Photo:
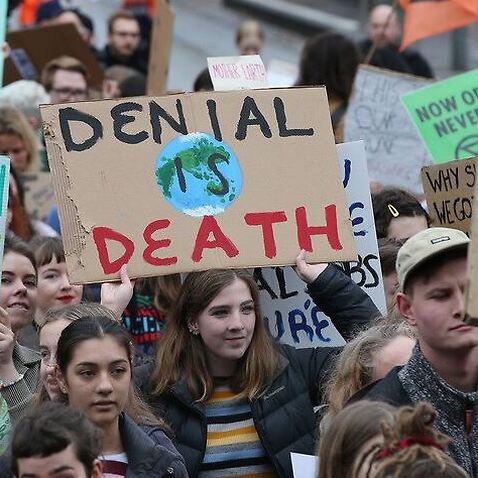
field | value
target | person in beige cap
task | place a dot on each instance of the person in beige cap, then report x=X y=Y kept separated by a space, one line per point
x=443 y=369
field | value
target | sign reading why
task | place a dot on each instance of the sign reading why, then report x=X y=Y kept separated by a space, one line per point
x=446 y=115
x=449 y=189
x=395 y=151
x=237 y=72
x=291 y=317
x=195 y=181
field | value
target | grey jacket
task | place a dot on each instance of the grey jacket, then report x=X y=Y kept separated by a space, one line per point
x=457 y=411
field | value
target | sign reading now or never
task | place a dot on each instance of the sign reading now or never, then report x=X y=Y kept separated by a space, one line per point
x=449 y=190
x=196 y=181
x=237 y=72
x=446 y=115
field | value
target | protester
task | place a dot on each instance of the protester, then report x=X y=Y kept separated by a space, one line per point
x=353 y=433
x=332 y=60
x=398 y=214
x=65 y=79
x=18 y=140
x=123 y=46
x=443 y=369
x=114 y=76
x=54 y=290
x=384 y=31
x=250 y=38
x=149 y=310
x=203 y=81
x=412 y=447
x=56 y=440
x=94 y=358
x=388 y=250
x=220 y=380
x=366 y=359
x=19 y=366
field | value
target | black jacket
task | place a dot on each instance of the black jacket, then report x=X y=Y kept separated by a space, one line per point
x=150 y=452
x=284 y=414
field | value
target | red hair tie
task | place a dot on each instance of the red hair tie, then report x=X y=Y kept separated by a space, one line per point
x=407 y=442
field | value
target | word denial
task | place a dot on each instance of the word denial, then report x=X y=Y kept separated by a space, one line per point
x=211 y=236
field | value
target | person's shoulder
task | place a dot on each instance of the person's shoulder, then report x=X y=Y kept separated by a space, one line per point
x=389 y=389
x=25 y=355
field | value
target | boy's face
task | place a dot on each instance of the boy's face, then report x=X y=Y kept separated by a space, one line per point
x=436 y=305
x=64 y=464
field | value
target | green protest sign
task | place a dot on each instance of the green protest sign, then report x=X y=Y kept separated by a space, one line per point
x=446 y=115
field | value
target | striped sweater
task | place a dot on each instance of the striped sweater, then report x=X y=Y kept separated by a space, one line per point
x=233 y=446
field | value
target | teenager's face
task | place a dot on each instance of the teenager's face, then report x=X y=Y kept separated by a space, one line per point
x=14 y=147
x=64 y=464
x=404 y=227
x=19 y=289
x=98 y=379
x=226 y=326
x=49 y=336
x=436 y=307
x=54 y=288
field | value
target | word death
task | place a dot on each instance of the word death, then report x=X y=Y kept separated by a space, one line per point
x=210 y=236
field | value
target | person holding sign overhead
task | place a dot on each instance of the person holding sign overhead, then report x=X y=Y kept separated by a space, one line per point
x=237 y=402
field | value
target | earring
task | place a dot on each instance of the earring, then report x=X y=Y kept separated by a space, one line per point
x=63 y=389
x=193 y=330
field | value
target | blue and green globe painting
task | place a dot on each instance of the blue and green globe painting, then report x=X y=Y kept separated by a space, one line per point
x=198 y=175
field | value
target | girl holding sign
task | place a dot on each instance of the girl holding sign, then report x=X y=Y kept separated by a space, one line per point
x=94 y=359
x=238 y=403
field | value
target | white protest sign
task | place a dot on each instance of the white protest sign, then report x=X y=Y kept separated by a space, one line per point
x=304 y=466
x=290 y=315
x=376 y=114
x=281 y=74
x=237 y=72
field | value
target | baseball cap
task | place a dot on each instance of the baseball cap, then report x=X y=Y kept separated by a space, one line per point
x=424 y=245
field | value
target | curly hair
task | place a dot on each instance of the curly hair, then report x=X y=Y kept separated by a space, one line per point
x=414 y=448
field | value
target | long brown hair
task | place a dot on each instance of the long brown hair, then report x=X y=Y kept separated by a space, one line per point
x=181 y=355
x=349 y=431
x=425 y=457
x=97 y=327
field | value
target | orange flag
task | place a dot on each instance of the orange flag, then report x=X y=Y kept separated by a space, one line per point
x=425 y=18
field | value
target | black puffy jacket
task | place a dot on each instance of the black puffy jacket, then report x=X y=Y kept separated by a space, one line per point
x=284 y=414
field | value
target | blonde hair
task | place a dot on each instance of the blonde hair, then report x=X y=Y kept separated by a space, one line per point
x=181 y=355
x=423 y=454
x=14 y=122
x=355 y=365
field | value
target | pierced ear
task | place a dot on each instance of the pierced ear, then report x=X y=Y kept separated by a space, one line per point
x=193 y=327
x=404 y=306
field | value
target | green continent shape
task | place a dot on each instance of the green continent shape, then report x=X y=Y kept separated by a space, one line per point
x=164 y=176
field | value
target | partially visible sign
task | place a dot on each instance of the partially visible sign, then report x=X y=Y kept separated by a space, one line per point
x=281 y=74
x=42 y=44
x=449 y=190
x=237 y=72
x=3 y=30
x=39 y=194
x=4 y=183
x=160 y=48
x=291 y=317
x=446 y=116
x=395 y=151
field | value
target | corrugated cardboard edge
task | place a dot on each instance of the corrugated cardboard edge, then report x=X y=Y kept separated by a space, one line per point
x=471 y=290
x=73 y=233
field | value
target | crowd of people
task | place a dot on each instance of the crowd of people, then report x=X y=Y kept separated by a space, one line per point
x=178 y=376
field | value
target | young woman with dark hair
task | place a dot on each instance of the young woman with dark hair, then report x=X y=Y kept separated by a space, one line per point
x=94 y=359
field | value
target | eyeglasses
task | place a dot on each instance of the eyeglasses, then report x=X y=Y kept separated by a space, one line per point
x=78 y=93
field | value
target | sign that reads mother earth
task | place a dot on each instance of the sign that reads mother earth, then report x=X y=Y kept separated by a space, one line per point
x=446 y=115
x=197 y=181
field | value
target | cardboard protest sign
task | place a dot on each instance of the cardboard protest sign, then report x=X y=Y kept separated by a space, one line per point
x=471 y=293
x=446 y=115
x=237 y=72
x=160 y=49
x=395 y=151
x=290 y=315
x=195 y=181
x=39 y=194
x=4 y=183
x=37 y=46
x=449 y=190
